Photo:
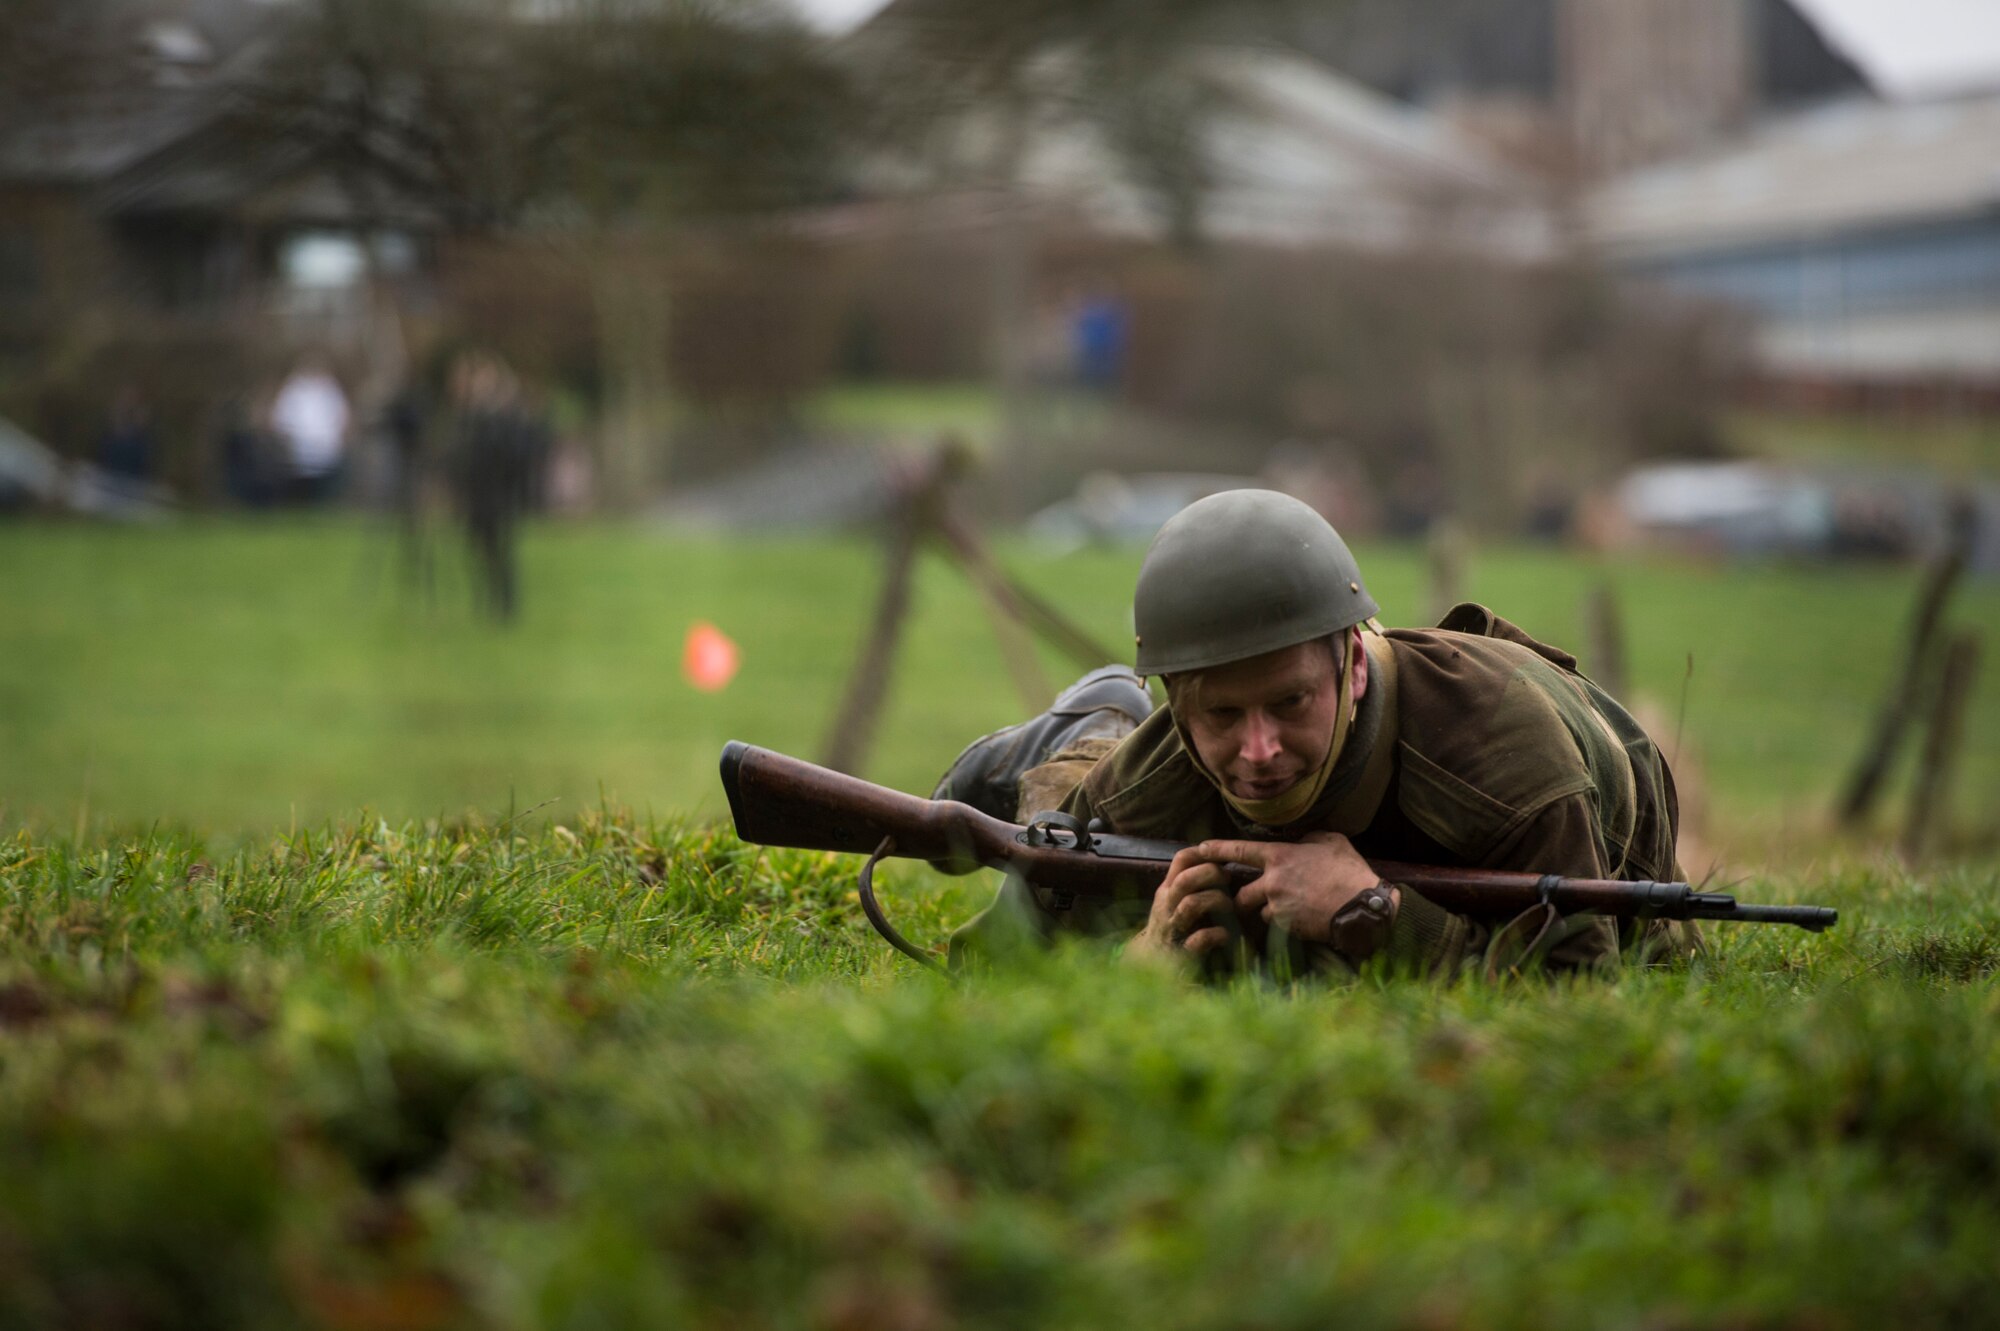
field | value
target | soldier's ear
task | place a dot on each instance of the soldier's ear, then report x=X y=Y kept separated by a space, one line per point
x=1360 y=663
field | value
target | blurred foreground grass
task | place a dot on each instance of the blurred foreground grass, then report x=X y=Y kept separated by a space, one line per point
x=473 y=1076
x=239 y=676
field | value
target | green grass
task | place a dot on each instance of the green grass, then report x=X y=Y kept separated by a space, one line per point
x=299 y=1028
x=927 y=410
x=1964 y=448
x=235 y=677
x=1960 y=446
x=619 y=1074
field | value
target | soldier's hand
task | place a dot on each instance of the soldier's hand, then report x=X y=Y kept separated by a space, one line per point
x=1303 y=884
x=1192 y=912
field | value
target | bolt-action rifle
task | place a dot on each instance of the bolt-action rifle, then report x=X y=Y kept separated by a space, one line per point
x=781 y=801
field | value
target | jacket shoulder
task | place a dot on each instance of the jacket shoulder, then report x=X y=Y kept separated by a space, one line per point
x=1149 y=787
x=1475 y=620
x=1487 y=735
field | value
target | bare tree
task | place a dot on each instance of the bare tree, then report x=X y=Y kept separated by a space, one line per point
x=596 y=126
x=53 y=53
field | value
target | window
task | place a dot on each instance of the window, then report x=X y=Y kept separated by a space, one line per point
x=322 y=261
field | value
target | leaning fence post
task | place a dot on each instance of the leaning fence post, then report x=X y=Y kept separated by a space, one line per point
x=861 y=704
x=962 y=538
x=1899 y=708
x=1930 y=800
x=924 y=509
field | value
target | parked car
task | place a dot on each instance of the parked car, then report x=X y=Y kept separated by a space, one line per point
x=33 y=476
x=30 y=471
x=1740 y=508
x=1109 y=509
x=1763 y=509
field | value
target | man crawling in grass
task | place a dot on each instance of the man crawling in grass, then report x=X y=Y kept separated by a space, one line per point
x=1302 y=739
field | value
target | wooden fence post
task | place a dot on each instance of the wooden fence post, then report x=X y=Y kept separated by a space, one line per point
x=1020 y=604
x=1905 y=696
x=1450 y=549
x=926 y=509
x=1604 y=639
x=915 y=515
x=1930 y=799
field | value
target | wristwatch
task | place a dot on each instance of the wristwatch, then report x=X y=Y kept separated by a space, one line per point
x=1360 y=929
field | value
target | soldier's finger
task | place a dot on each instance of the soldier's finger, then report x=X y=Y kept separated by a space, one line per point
x=1206 y=941
x=1176 y=884
x=1254 y=895
x=1200 y=906
x=1194 y=880
x=1256 y=854
x=1205 y=876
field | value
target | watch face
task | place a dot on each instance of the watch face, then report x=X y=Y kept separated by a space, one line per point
x=1361 y=927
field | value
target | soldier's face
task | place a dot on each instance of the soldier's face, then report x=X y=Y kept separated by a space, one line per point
x=1262 y=724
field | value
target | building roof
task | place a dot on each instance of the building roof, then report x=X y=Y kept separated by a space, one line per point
x=1306 y=156
x=154 y=73
x=1849 y=166
x=1806 y=48
x=154 y=121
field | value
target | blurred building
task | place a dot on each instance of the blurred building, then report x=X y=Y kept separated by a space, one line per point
x=1582 y=86
x=1864 y=235
x=1729 y=151
x=1405 y=123
x=1300 y=155
x=139 y=181
x=166 y=230
x=1726 y=150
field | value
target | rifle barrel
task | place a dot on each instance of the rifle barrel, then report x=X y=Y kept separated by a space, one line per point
x=1814 y=918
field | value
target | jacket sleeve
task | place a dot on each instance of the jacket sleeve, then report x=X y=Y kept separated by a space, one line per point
x=1562 y=838
x=1059 y=782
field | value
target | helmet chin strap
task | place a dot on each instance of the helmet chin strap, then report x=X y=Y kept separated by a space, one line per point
x=1293 y=804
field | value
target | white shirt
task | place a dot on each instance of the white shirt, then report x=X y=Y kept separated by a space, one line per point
x=311 y=413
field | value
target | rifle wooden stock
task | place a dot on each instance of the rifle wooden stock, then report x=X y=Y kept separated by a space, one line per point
x=782 y=801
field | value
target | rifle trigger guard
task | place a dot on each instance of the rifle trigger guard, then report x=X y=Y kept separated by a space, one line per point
x=873 y=910
x=1058 y=830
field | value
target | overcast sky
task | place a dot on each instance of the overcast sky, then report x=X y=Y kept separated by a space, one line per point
x=1910 y=47
x=1917 y=46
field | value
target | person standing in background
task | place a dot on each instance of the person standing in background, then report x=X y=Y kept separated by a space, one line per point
x=310 y=416
x=128 y=449
x=498 y=447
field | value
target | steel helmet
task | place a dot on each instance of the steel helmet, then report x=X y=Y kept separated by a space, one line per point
x=1239 y=574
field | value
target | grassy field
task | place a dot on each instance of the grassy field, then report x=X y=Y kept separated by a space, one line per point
x=615 y=1074
x=1963 y=447
x=299 y=1027
x=238 y=677
x=1966 y=448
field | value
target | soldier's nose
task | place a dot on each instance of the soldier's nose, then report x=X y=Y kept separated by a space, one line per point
x=1260 y=742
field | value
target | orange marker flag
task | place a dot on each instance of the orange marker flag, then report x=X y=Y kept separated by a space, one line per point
x=709 y=659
